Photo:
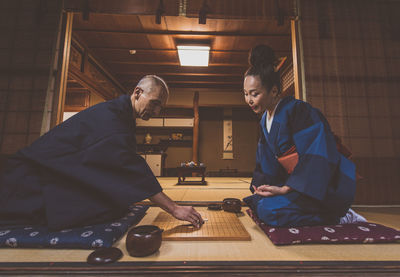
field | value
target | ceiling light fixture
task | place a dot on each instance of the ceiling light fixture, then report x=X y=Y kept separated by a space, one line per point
x=193 y=55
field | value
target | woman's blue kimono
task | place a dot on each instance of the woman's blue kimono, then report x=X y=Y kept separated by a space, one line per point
x=83 y=171
x=323 y=181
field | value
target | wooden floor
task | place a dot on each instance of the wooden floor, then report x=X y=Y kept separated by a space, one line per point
x=259 y=253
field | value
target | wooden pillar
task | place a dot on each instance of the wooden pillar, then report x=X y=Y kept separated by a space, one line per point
x=64 y=68
x=195 y=156
x=297 y=52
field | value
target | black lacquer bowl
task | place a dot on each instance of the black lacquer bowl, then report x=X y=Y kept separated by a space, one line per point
x=143 y=240
x=232 y=205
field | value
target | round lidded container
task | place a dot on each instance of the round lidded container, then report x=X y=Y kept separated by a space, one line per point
x=143 y=240
x=232 y=205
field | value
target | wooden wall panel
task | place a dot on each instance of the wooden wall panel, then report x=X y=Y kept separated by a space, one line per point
x=350 y=57
x=28 y=35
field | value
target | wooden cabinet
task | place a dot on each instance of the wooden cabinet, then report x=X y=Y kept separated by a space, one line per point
x=163 y=132
x=178 y=122
x=155 y=162
x=152 y=122
x=165 y=122
x=172 y=140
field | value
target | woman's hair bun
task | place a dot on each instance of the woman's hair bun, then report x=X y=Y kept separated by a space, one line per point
x=261 y=56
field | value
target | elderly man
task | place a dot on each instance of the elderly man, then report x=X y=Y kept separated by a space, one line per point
x=86 y=170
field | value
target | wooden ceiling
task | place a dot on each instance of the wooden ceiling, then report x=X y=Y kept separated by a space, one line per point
x=111 y=28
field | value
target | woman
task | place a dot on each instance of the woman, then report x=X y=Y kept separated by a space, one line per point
x=321 y=187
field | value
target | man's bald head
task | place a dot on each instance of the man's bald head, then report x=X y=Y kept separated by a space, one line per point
x=151 y=83
x=149 y=96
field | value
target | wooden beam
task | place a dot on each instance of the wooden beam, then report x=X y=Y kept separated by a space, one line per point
x=193 y=83
x=155 y=63
x=206 y=82
x=219 y=86
x=128 y=69
x=189 y=33
x=133 y=7
x=77 y=89
x=123 y=51
x=220 y=9
x=88 y=83
x=71 y=80
x=193 y=79
x=156 y=50
x=87 y=53
x=126 y=75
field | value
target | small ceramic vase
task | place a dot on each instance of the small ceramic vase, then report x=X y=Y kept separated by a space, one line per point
x=147 y=138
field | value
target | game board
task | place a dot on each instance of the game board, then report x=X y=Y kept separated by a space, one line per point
x=220 y=225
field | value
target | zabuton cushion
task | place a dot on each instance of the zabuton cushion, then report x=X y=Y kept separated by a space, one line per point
x=100 y=235
x=360 y=232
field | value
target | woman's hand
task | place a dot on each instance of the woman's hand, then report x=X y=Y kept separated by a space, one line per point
x=189 y=214
x=267 y=190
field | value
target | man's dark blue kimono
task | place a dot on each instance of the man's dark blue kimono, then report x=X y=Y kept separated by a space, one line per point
x=85 y=170
x=323 y=181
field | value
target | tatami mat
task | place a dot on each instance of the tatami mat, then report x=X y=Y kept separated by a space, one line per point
x=212 y=182
x=206 y=195
x=214 y=195
x=217 y=189
x=259 y=248
x=175 y=195
x=389 y=215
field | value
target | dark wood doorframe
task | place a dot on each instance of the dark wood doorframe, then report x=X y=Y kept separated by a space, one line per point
x=64 y=67
x=297 y=53
x=55 y=96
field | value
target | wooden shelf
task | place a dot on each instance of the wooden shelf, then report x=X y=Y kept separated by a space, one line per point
x=182 y=143
x=163 y=145
x=166 y=122
x=151 y=148
x=164 y=130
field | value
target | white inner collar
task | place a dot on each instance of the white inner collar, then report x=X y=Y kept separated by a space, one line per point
x=270 y=117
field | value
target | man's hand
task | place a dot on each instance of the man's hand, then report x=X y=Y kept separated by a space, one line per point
x=180 y=212
x=189 y=214
x=267 y=190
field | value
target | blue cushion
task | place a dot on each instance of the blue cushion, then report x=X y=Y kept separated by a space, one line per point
x=99 y=235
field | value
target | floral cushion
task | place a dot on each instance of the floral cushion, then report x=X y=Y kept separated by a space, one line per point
x=360 y=232
x=99 y=235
